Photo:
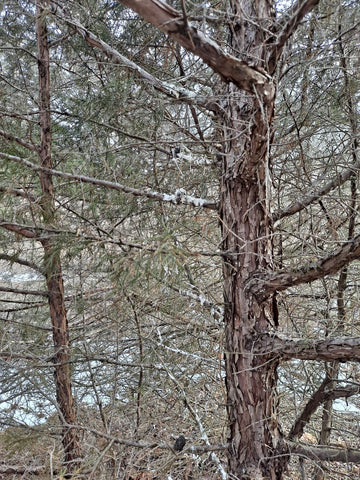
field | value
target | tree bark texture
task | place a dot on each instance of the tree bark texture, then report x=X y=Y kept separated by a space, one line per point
x=52 y=262
x=256 y=448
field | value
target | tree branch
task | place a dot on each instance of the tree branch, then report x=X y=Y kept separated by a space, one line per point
x=172 y=23
x=160 y=445
x=289 y=25
x=21 y=142
x=23 y=230
x=322 y=452
x=171 y=90
x=313 y=403
x=264 y=284
x=335 y=182
x=22 y=470
x=20 y=261
x=24 y=292
x=341 y=348
x=217 y=312
x=198 y=421
x=179 y=197
x=317 y=398
x=17 y=193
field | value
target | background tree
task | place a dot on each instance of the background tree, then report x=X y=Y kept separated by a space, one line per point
x=157 y=140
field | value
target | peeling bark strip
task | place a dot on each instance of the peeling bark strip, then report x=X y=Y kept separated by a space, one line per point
x=52 y=264
x=171 y=22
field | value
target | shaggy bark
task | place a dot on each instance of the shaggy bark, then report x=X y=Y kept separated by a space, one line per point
x=256 y=447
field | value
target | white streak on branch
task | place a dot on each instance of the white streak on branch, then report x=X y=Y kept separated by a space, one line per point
x=176 y=199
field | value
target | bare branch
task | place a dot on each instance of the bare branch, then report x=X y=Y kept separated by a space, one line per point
x=170 y=89
x=322 y=452
x=20 y=261
x=172 y=23
x=198 y=421
x=217 y=311
x=179 y=197
x=341 y=348
x=289 y=25
x=7 y=356
x=341 y=392
x=21 y=469
x=21 y=142
x=335 y=182
x=160 y=445
x=313 y=403
x=17 y=193
x=23 y=230
x=264 y=284
x=319 y=397
x=24 y=292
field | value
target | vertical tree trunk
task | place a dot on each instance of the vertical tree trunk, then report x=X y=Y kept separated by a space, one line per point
x=334 y=368
x=256 y=447
x=52 y=262
x=332 y=371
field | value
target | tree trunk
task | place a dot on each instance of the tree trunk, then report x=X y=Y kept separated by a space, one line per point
x=256 y=446
x=52 y=262
x=61 y=358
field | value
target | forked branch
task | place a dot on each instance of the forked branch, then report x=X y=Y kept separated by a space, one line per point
x=320 y=396
x=172 y=23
